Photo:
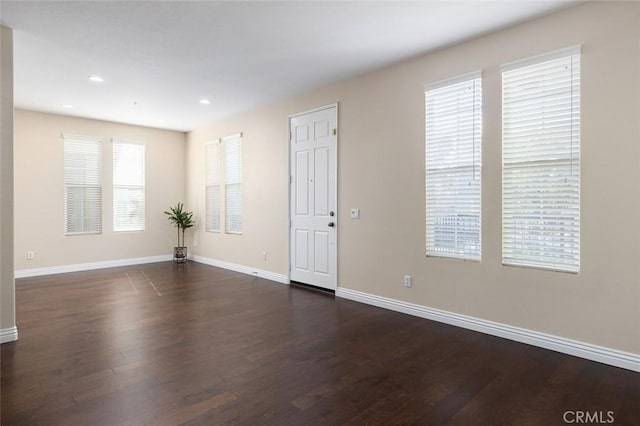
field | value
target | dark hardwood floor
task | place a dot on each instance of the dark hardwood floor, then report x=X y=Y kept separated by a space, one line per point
x=171 y=344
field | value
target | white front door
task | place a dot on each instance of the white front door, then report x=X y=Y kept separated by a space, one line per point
x=313 y=233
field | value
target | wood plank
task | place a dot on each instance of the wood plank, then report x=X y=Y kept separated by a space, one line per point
x=209 y=346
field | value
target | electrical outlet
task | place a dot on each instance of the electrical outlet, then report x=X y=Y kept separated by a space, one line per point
x=355 y=213
x=408 y=281
x=264 y=256
x=30 y=255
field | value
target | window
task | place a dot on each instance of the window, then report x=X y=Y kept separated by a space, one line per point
x=128 y=186
x=453 y=139
x=82 y=185
x=233 y=184
x=541 y=162
x=212 y=187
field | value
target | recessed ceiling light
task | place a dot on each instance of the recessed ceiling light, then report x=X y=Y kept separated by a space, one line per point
x=96 y=79
x=205 y=101
x=67 y=106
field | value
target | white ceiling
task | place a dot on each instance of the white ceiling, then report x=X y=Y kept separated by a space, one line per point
x=159 y=59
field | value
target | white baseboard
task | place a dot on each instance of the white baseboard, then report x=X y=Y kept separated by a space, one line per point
x=8 y=335
x=601 y=354
x=281 y=278
x=25 y=273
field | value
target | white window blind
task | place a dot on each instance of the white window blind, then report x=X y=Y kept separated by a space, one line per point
x=453 y=139
x=212 y=187
x=233 y=184
x=541 y=162
x=82 y=185
x=128 y=186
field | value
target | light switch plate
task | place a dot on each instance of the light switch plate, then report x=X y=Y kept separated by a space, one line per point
x=355 y=213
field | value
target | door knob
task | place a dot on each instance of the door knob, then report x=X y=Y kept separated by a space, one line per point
x=332 y=224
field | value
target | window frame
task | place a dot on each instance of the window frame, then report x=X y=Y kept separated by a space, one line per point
x=142 y=186
x=549 y=244
x=67 y=139
x=227 y=141
x=463 y=247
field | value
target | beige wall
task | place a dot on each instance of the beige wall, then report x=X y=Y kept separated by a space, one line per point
x=381 y=171
x=264 y=195
x=39 y=197
x=7 y=288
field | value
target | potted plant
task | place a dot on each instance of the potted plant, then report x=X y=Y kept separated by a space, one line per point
x=182 y=220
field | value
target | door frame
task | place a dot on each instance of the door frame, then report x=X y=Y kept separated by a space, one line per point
x=290 y=177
